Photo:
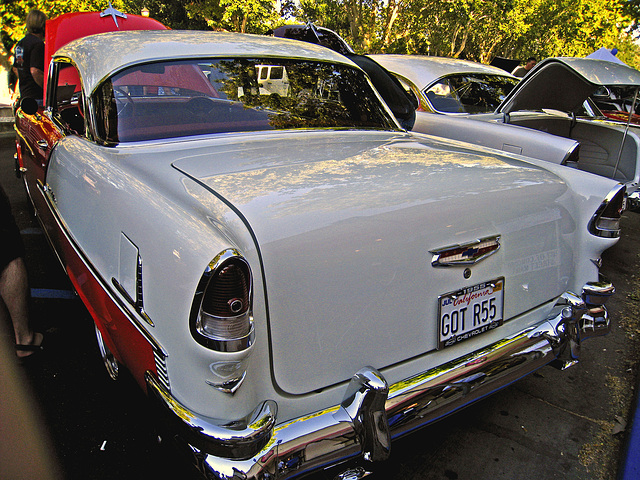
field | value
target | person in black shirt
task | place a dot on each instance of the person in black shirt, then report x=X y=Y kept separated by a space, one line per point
x=28 y=61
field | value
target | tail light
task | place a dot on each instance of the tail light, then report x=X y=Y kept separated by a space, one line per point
x=606 y=221
x=221 y=314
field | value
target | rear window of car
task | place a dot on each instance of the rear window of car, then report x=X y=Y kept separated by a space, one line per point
x=196 y=97
x=469 y=93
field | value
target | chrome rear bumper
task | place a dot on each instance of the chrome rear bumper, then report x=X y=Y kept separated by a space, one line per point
x=372 y=412
x=633 y=201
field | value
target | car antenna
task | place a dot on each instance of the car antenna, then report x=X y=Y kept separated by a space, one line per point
x=626 y=130
x=114 y=14
x=312 y=27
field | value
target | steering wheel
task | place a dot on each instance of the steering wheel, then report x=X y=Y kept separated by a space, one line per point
x=124 y=101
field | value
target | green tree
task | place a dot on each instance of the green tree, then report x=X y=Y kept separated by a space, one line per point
x=14 y=13
x=244 y=16
x=172 y=13
x=473 y=29
x=631 y=8
x=357 y=21
x=477 y=29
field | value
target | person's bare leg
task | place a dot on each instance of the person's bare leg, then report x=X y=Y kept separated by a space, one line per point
x=14 y=289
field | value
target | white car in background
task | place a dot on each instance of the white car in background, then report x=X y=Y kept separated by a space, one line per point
x=551 y=99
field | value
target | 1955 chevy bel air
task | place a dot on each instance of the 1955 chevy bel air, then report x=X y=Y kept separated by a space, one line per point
x=293 y=279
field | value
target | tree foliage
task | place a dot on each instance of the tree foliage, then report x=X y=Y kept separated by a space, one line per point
x=14 y=13
x=473 y=29
x=245 y=16
x=476 y=29
x=172 y=13
x=632 y=9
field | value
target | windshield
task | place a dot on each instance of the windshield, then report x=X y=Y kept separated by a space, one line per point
x=196 y=97
x=469 y=92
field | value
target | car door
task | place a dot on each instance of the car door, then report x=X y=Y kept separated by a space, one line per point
x=36 y=137
x=39 y=132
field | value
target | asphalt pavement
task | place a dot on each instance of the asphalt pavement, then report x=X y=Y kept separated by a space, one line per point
x=572 y=424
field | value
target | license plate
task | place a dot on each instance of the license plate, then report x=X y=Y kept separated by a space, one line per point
x=469 y=312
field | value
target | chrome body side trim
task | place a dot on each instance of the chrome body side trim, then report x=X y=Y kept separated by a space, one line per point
x=109 y=360
x=572 y=156
x=371 y=413
x=161 y=367
x=230 y=386
x=135 y=304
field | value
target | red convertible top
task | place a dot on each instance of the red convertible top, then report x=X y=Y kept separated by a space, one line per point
x=70 y=26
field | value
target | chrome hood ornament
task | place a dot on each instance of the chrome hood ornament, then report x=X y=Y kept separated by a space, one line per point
x=110 y=11
x=465 y=254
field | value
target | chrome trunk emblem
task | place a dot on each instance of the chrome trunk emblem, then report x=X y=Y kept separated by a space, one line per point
x=465 y=254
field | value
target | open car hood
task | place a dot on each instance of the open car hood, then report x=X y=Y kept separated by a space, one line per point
x=565 y=83
x=71 y=26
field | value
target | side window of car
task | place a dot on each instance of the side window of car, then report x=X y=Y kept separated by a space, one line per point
x=68 y=108
x=443 y=98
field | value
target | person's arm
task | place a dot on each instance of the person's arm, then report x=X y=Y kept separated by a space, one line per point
x=36 y=67
x=38 y=75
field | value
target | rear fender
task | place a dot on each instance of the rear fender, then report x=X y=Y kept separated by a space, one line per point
x=499 y=136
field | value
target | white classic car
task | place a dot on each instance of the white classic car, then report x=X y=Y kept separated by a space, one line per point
x=552 y=98
x=293 y=279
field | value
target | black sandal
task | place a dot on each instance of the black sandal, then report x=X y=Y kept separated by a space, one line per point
x=29 y=348
x=35 y=349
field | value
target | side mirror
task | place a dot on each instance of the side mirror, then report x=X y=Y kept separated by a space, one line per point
x=29 y=105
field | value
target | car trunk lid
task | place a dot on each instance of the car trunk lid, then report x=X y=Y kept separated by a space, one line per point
x=346 y=225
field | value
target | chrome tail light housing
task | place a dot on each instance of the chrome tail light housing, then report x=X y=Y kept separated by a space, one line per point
x=221 y=315
x=606 y=221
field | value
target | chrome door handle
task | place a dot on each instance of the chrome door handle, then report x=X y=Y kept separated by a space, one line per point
x=42 y=144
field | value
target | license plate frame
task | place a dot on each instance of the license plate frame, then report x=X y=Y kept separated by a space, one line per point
x=470 y=311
